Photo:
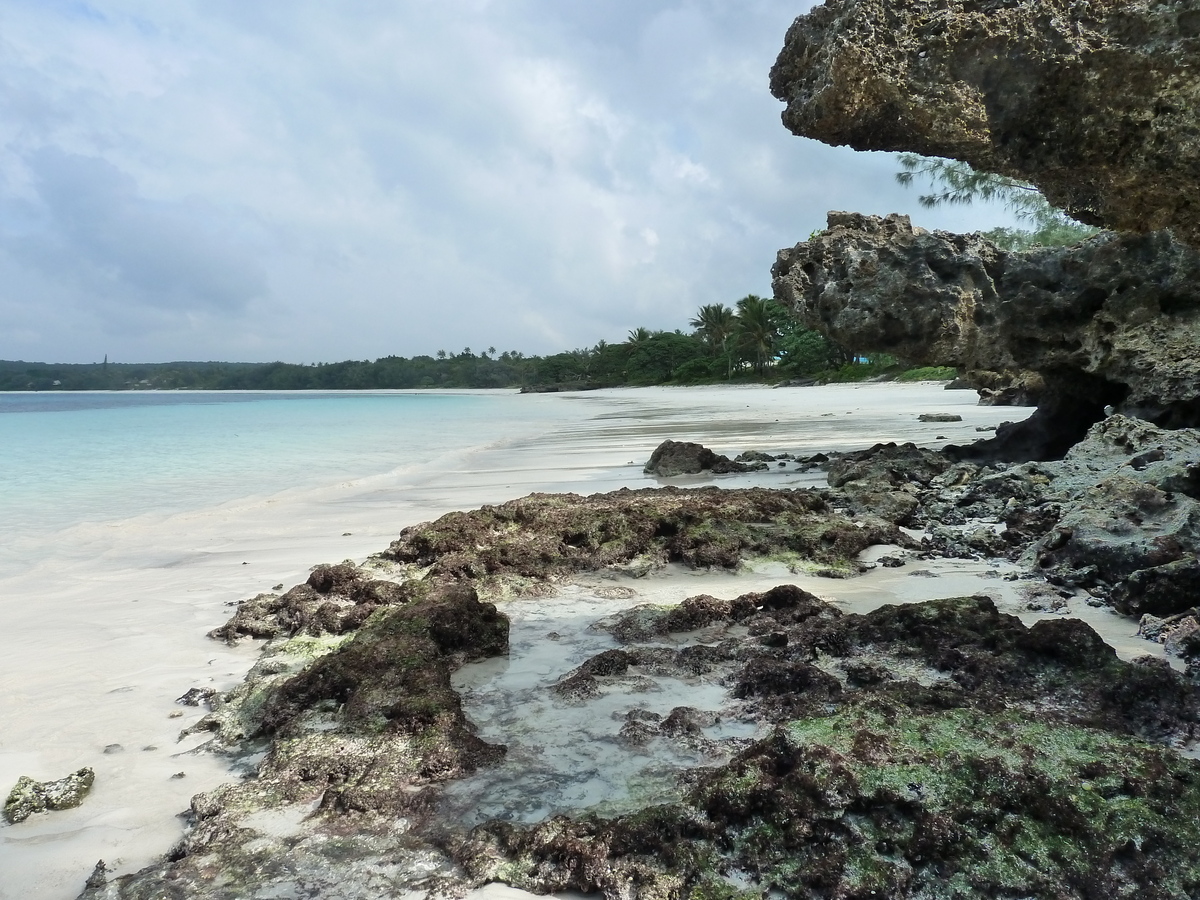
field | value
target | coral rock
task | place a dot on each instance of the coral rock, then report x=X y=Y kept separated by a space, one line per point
x=29 y=796
x=1095 y=103
x=1114 y=320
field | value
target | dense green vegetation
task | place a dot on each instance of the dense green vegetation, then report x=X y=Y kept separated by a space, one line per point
x=754 y=341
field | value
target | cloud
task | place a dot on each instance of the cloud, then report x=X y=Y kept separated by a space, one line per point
x=100 y=233
x=322 y=181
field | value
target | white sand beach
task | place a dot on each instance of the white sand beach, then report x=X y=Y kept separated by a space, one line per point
x=106 y=626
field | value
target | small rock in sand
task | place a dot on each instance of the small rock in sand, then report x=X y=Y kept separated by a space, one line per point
x=98 y=878
x=195 y=696
x=29 y=796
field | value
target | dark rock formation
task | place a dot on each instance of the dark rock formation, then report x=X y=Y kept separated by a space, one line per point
x=1095 y=103
x=334 y=600
x=928 y=750
x=545 y=536
x=1119 y=515
x=1112 y=321
x=1010 y=388
x=1128 y=523
x=672 y=458
x=887 y=480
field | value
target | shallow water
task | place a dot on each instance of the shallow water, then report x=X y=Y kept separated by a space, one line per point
x=104 y=614
x=566 y=755
x=100 y=458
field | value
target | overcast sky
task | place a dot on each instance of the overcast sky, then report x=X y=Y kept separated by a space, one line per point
x=315 y=181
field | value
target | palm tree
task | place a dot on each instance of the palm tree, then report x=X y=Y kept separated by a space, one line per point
x=716 y=324
x=639 y=336
x=757 y=330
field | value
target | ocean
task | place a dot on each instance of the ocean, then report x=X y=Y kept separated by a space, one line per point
x=68 y=459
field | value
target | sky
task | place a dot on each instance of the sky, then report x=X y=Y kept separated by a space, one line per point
x=310 y=182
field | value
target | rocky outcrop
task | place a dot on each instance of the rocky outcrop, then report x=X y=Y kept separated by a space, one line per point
x=1112 y=321
x=547 y=536
x=929 y=746
x=30 y=796
x=1097 y=103
x=352 y=739
x=335 y=600
x=1128 y=528
x=671 y=458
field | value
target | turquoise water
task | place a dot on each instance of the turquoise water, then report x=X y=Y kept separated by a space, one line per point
x=70 y=458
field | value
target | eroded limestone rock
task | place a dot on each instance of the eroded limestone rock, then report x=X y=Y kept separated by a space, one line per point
x=1094 y=102
x=1128 y=525
x=1112 y=321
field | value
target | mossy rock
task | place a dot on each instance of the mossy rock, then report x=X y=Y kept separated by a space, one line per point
x=544 y=536
x=931 y=750
x=885 y=802
x=29 y=796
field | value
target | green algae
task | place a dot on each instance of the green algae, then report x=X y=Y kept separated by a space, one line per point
x=978 y=803
x=236 y=716
x=886 y=801
x=30 y=796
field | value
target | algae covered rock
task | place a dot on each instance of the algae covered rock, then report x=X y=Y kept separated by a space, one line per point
x=546 y=536
x=926 y=750
x=29 y=796
x=349 y=746
x=334 y=600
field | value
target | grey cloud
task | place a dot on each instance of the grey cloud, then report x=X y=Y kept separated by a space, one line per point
x=99 y=229
x=366 y=178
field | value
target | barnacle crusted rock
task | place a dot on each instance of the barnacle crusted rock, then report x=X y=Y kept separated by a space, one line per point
x=1094 y=102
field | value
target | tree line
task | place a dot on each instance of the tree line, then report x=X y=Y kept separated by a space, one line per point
x=754 y=340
